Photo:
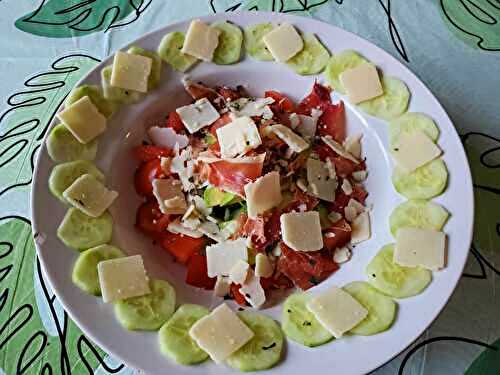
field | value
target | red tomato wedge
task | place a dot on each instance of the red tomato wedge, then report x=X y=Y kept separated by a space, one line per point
x=174 y=121
x=332 y=122
x=182 y=247
x=197 y=274
x=147 y=153
x=318 y=96
x=305 y=269
x=144 y=176
x=233 y=177
x=342 y=231
x=150 y=220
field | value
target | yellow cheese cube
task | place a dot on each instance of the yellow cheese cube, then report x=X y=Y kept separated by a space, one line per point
x=83 y=120
x=131 y=72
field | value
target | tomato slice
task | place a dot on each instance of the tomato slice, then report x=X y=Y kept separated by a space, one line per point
x=238 y=297
x=318 y=96
x=144 y=176
x=182 y=247
x=197 y=274
x=150 y=220
x=174 y=121
x=145 y=153
x=281 y=102
x=342 y=231
x=332 y=122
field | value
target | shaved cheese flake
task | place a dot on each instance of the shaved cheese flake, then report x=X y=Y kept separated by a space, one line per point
x=359 y=176
x=415 y=150
x=222 y=286
x=356 y=205
x=239 y=272
x=350 y=213
x=352 y=145
x=238 y=137
x=222 y=257
x=337 y=147
x=417 y=247
x=201 y=40
x=294 y=141
x=263 y=194
x=167 y=137
x=252 y=290
x=167 y=189
x=165 y=163
x=307 y=127
x=361 y=83
x=320 y=183
x=176 y=227
x=342 y=255
x=283 y=42
x=361 y=228
x=198 y=115
x=346 y=187
x=302 y=231
x=252 y=107
x=264 y=267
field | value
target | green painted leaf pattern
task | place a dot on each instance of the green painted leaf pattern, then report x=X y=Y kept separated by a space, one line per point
x=70 y=18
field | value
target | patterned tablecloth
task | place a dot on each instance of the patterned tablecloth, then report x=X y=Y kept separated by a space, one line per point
x=46 y=46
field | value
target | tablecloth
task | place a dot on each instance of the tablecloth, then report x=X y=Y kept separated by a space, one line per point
x=46 y=46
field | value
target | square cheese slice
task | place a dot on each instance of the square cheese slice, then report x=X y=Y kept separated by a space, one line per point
x=239 y=272
x=263 y=194
x=321 y=184
x=222 y=256
x=89 y=195
x=201 y=40
x=301 y=231
x=131 y=72
x=169 y=195
x=414 y=150
x=287 y=135
x=284 y=42
x=83 y=120
x=123 y=278
x=420 y=248
x=264 y=267
x=222 y=286
x=361 y=83
x=238 y=137
x=337 y=311
x=220 y=333
x=198 y=115
x=360 y=228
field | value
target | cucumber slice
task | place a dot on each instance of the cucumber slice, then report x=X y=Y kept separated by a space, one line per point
x=312 y=59
x=85 y=274
x=215 y=197
x=62 y=146
x=228 y=50
x=115 y=93
x=155 y=75
x=263 y=351
x=169 y=51
x=393 y=103
x=82 y=232
x=254 y=44
x=63 y=175
x=149 y=312
x=381 y=309
x=338 y=64
x=105 y=106
x=423 y=183
x=418 y=214
x=300 y=325
x=411 y=122
x=175 y=341
x=394 y=280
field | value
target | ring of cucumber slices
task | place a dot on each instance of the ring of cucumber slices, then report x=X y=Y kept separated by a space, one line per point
x=386 y=279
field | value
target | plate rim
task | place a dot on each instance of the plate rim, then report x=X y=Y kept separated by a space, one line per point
x=228 y=16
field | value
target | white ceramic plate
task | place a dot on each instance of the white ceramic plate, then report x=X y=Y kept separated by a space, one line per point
x=350 y=355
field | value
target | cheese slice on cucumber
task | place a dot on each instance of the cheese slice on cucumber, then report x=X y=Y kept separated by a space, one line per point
x=254 y=44
x=169 y=51
x=339 y=63
x=105 y=106
x=392 y=104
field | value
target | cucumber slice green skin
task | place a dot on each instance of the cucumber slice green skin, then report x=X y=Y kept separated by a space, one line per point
x=62 y=146
x=264 y=350
x=418 y=214
x=425 y=182
x=312 y=59
x=411 y=122
x=85 y=274
x=394 y=280
x=169 y=51
x=254 y=44
x=300 y=325
x=115 y=93
x=148 y=312
x=156 y=66
x=338 y=64
x=392 y=104
x=228 y=50
x=105 y=106
x=381 y=309
x=174 y=338
x=82 y=232
x=63 y=175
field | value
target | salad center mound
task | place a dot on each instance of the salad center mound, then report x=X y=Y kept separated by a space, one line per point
x=253 y=194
